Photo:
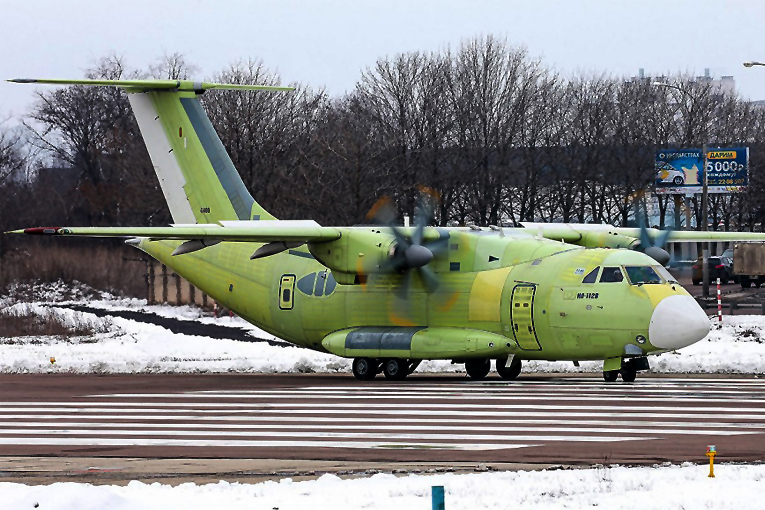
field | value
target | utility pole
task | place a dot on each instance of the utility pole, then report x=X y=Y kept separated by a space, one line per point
x=704 y=193
x=705 y=222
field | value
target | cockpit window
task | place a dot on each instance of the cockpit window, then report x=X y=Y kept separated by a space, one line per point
x=639 y=275
x=665 y=274
x=611 y=275
x=592 y=276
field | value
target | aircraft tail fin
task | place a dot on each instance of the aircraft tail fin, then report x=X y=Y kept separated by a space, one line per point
x=196 y=174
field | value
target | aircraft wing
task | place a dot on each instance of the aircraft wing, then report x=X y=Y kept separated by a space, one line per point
x=696 y=235
x=231 y=231
x=576 y=232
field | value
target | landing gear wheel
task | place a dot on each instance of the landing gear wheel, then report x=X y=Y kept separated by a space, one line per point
x=478 y=368
x=511 y=372
x=610 y=376
x=364 y=369
x=395 y=369
x=628 y=375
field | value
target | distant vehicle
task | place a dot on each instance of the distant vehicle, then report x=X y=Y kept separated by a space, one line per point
x=749 y=264
x=728 y=254
x=719 y=267
x=671 y=174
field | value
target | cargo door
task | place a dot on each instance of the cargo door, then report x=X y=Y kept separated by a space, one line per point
x=522 y=317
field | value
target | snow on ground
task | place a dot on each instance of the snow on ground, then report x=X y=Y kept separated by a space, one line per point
x=131 y=346
x=666 y=487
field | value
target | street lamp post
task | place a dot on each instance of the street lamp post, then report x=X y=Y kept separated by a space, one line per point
x=704 y=190
x=753 y=63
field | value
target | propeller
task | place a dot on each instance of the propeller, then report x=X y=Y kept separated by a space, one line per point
x=654 y=248
x=411 y=255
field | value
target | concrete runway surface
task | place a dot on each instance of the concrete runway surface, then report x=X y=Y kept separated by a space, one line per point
x=199 y=427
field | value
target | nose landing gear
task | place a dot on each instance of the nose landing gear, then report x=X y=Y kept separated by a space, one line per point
x=629 y=369
x=511 y=371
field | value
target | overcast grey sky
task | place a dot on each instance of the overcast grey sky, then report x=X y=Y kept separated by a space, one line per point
x=328 y=43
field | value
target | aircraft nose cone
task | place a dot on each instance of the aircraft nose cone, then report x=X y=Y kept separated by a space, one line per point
x=677 y=321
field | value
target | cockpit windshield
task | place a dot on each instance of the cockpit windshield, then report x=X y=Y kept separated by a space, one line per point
x=611 y=275
x=665 y=274
x=639 y=275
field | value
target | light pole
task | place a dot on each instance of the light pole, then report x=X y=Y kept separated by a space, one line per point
x=704 y=188
x=753 y=63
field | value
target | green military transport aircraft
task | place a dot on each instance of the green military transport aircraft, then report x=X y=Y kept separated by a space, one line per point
x=389 y=297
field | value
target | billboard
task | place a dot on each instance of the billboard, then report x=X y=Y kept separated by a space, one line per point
x=679 y=171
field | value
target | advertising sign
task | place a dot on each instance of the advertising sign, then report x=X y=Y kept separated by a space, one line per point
x=679 y=171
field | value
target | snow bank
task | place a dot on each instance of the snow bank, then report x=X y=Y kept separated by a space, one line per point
x=687 y=486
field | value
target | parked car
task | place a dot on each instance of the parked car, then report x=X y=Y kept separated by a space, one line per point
x=719 y=267
x=728 y=254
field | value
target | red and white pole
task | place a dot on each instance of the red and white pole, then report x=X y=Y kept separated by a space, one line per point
x=719 y=305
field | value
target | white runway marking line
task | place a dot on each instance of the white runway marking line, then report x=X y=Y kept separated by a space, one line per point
x=506 y=394
x=139 y=441
x=328 y=435
x=311 y=430
x=426 y=396
x=244 y=413
x=318 y=406
x=332 y=422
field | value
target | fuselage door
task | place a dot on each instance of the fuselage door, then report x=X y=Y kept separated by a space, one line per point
x=287 y=292
x=522 y=317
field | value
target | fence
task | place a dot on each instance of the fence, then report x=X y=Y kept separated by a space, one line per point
x=164 y=285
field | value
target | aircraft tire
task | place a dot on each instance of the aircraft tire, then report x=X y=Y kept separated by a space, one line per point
x=395 y=369
x=364 y=369
x=511 y=372
x=478 y=368
x=610 y=375
x=628 y=375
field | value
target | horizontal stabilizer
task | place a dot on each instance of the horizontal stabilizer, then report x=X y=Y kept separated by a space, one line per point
x=144 y=85
x=254 y=232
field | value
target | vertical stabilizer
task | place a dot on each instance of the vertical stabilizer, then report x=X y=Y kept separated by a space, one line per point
x=198 y=179
x=196 y=174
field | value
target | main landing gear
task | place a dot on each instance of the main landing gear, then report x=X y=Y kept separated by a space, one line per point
x=629 y=370
x=478 y=369
x=394 y=369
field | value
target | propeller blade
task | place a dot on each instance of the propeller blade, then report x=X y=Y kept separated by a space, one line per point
x=429 y=279
x=383 y=212
x=661 y=240
x=401 y=239
x=405 y=286
x=645 y=239
x=440 y=245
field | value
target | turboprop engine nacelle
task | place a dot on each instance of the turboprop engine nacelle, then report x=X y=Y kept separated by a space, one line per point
x=361 y=252
x=608 y=240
